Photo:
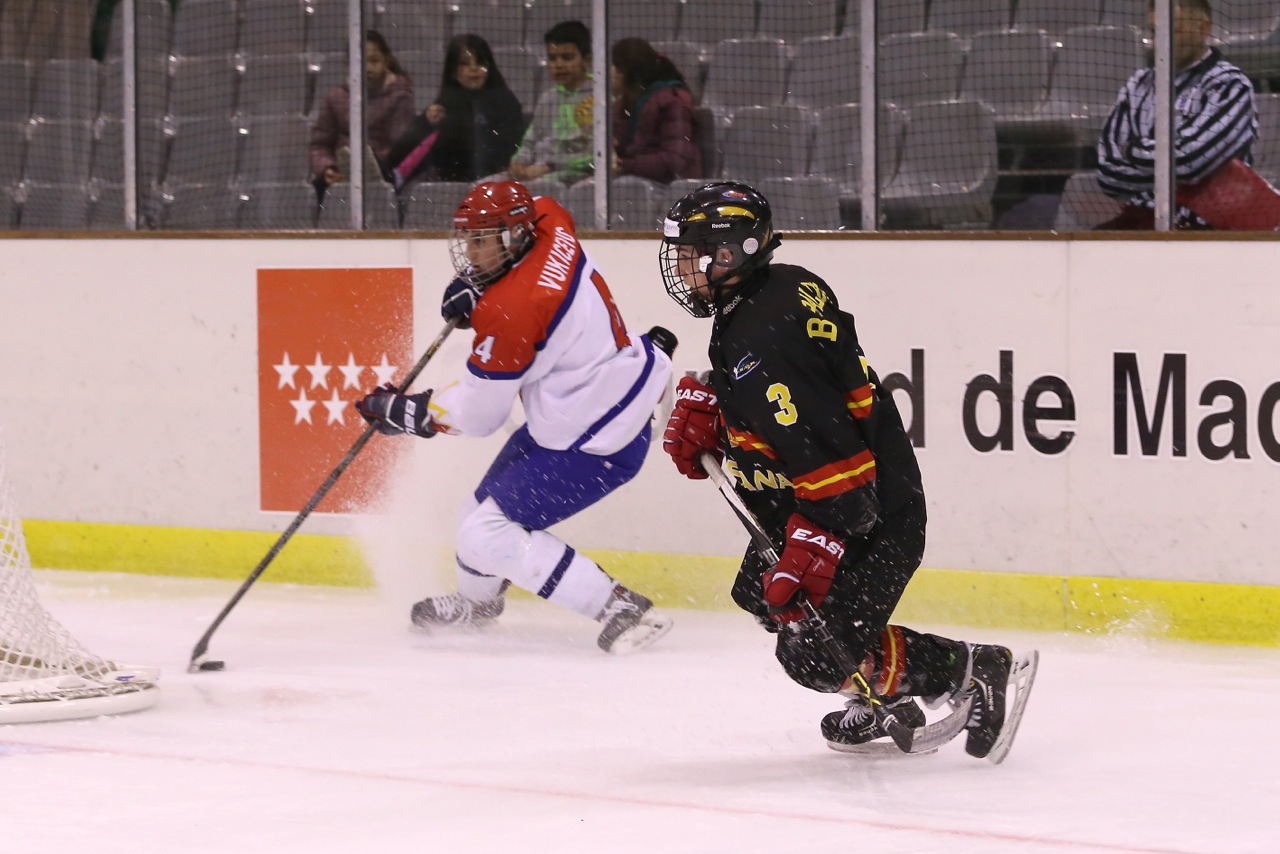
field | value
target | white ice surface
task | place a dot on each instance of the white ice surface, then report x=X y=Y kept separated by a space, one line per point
x=336 y=729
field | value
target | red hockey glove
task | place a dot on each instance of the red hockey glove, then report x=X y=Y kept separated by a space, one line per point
x=807 y=563
x=394 y=414
x=694 y=427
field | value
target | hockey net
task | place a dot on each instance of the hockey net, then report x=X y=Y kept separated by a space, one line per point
x=45 y=674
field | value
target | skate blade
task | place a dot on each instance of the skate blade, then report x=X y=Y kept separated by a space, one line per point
x=652 y=626
x=469 y=627
x=878 y=749
x=1021 y=678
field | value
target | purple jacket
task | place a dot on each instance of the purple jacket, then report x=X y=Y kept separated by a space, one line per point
x=388 y=110
x=662 y=144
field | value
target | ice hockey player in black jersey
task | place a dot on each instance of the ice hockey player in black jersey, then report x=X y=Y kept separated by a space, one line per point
x=819 y=454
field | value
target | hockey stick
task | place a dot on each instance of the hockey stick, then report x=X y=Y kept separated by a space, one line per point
x=925 y=739
x=198 y=655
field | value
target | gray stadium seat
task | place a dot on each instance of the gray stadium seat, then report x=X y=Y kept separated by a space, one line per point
x=55 y=206
x=824 y=72
x=654 y=21
x=635 y=203
x=793 y=20
x=205 y=28
x=895 y=16
x=971 y=16
x=13 y=147
x=1009 y=71
x=273 y=26
x=413 y=25
x=429 y=205
x=154 y=28
x=59 y=152
x=381 y=208
x=278 y=206
x=66 y=89
x=1266 y=151
x=746 y=72
x=1083 y=204
x=106 y=206
x=274 y=85
x=499 y=22
x=8 y=208
x=197 y=207
x=205 y=151
x=108 y=151
x=1250 y=31
x=203 y=87
x=153 y=84
x=710 y=22
x=1125 y=13
x=947 y=170
x=1092 y=65
x=275 y=150
x=767 y=142
x=1055 y=16
x=327 y=27
x=920 y=67
x=15 y=90
x=708 y=133
x=422 y=66
x=542 y=15
x=522 y=70
x=804 y=203
x=837 y=145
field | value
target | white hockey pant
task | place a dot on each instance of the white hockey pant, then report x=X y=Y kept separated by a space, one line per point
x=492 y=548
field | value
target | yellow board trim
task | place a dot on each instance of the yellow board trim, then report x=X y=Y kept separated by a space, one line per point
x=1182 y=610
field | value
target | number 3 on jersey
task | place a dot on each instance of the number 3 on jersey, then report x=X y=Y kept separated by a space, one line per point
x=484 y=350
x=781 y=395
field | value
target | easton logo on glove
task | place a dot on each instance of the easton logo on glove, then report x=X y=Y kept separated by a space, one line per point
x=821 y=539
x=696 y=395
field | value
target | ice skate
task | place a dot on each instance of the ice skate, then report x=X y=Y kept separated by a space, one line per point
x=630 y=622
x=856 y=730
x=995 y=717
x=455 y=609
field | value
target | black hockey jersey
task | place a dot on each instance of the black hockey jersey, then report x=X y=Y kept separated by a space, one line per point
x=808 y=428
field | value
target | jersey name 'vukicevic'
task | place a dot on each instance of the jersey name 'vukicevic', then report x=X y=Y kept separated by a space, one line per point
x=808 y=428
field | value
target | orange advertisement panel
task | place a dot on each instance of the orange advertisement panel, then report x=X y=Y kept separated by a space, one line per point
x=325 y=339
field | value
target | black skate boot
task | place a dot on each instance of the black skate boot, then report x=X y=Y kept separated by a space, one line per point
x=988 y=684
x=850 y=730
x=455 y=609
x=630 y=622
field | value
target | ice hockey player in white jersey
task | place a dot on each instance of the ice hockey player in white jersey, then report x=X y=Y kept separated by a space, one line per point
x=546 y=330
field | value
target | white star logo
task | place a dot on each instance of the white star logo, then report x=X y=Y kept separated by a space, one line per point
x=351 y=372
x=337 y=408
x=286 y=370
x=319 y=373
x=384 y=371
x=302 y=408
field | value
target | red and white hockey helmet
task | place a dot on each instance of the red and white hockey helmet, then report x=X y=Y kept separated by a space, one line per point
x=492 y=230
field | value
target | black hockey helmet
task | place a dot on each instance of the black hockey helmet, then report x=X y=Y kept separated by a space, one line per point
x=723 y=214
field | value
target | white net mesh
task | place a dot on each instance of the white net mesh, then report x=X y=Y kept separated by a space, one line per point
x=41 y=664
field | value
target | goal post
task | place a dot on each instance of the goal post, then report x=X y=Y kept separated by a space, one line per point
x=45 y=673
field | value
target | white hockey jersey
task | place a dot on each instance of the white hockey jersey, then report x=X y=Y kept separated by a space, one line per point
x=550 y=332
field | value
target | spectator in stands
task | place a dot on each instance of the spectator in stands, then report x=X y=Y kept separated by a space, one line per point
x=1215 y=128
x=388 y=110
x=654 y=125
x=558 y=142
x=471 y=130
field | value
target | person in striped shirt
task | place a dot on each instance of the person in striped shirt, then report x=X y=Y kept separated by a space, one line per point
x=1216 y=123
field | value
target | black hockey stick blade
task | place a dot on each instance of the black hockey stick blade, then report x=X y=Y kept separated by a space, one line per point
x=925 y=739
x=199 y=655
